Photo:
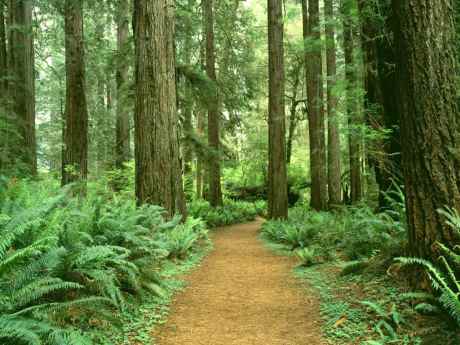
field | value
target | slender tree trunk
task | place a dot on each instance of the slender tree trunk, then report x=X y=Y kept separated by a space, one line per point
x=333 y=158
x=75 y=160
x=293 y=120
x=23 y=80
x=314 y=82
x=215 y=191
x=3 y=53
x=4 y=120
x=354 y=123
x=158 y=167
x=123 y=135
x=187 y=108
x=430 y=125
x=277 y=172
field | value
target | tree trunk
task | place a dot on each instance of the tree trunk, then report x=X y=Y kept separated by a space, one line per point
x=333 y=158
x=123 y=135
x=314 y=82
x=187 y=108
x=75 y=160
x=3 y=53
x=23 y=81
x=427 y=61
x=158 y=169
x=354 y=123
x=293 y=119
x=277 y=172
x=215 y=192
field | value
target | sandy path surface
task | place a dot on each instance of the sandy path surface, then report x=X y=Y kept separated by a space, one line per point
x=242 y=294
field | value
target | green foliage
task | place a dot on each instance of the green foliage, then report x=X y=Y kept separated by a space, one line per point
x=81 y=259
x=231 y=213
x=445 y=274
x=356 y=232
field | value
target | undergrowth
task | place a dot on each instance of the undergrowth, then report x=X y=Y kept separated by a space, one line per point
x=72 y=269
x=349 y=258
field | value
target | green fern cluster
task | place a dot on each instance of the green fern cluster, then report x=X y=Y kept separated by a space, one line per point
x=74 y=259
x=445 y=275
x=231 y=213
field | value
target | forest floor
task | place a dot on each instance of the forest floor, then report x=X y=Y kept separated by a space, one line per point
x=242 y=294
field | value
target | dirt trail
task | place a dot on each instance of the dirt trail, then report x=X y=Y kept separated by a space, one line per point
x=242 y=294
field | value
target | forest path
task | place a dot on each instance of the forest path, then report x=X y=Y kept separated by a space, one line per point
x=242 y=294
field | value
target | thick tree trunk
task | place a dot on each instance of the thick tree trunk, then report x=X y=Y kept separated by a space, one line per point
x=354 y=122
x=75 y=160
x=123 y=135
x=333 y=159
x=215 y=191
x=314 y=82
x=427 y=61
x=23 y=81
x=277 y=172
x=158 y=169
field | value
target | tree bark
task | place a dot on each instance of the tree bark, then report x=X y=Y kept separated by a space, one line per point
x=215 y=191
x=23 y=81
x=188 y=107
x=427 y=61
x=314 y=82
x=3 y=53
x=354 y=122
x=123 y=135
x=75 y=160
x=333 y=159
x=158 y=167
x=277 y=171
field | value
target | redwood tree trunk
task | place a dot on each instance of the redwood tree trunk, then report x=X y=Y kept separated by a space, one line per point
x=314 y=82
x=354 y=123
x=158 y=169
x=3 y=53
x=75 y=159
x=187 y=107
x=277 y=172
x=23 y=81
x=122 y=146
x=333 y=159
x=426 y=42
x=215 y=191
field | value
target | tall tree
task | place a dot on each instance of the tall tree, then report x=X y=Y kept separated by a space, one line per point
x=314 y=82
x=333 y=158
x=23 y=80
x=215 y=191
x=75 y=155
x=3 y=52
x=188 y=102
x=158 y=168
x=122 y=140
x=354 y=123
x=277 y=172
x=426 y=42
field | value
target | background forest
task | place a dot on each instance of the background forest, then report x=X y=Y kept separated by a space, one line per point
x=130 y=127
